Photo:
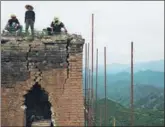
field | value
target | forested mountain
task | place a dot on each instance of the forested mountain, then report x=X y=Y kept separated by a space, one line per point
x=143 y=117
x=146 y=83
x=148 y=95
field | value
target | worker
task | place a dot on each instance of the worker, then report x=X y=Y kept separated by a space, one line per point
x=29 y=19
x=56 y=27
x=13 y=24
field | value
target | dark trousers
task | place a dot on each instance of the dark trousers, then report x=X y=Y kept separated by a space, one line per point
x=30 y=22
x=10 y=28
x=50 y=32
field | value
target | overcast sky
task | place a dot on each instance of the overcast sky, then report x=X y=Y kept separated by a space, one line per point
x=117 y=23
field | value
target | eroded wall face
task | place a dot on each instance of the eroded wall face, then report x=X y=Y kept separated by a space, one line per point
x=11 y=112
x=64 y=86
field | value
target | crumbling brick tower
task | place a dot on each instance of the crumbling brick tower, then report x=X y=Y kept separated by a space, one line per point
x=42 y=78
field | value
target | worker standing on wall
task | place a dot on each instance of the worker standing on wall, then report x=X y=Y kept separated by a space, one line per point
x=29 y=19
x=56 y=27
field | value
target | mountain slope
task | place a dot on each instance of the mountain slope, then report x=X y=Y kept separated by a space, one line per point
x=121 y=114
x=121 y=93
x=118 y=85
x=147 y=77
x=152 y=101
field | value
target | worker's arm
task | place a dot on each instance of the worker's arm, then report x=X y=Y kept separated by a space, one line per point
x=52 y=25
x=64 y=27
x=25 y=16
x=7 y=24
x=33 y=16
x=17 y=23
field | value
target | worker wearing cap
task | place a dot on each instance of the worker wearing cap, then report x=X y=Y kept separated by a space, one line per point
x=56 y=26
x=29 y=19
x=13 y=23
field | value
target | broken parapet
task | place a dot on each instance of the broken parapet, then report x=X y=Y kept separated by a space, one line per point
x=20 y=56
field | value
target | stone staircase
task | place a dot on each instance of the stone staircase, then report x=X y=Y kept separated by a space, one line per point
x=41 y=123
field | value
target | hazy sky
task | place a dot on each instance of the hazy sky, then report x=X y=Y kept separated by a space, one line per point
x=117 y=23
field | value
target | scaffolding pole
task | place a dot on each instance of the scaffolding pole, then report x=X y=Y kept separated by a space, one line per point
x=89 y=107
x=100 y=117
x=132 y=94
x=105 y=84
x=96 y=84
x=114 y=122
x=88 y=84
x=85 y=83
x=92 y=66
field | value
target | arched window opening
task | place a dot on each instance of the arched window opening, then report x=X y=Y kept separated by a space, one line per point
x=37 y=105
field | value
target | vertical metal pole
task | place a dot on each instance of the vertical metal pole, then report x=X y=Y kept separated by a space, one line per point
x=89 y=106
x=96 y=83
x=100 y=117
x=88 y=69
x=114 y=122
x=92 y=64
x=85 y=82
x=88 y=84
x=105 y=83
x=131 y=101
x=92 y=48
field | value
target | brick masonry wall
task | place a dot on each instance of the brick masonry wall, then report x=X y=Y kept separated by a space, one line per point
x=65 y=93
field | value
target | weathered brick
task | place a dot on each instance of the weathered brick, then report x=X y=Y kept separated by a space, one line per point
x=63 y=86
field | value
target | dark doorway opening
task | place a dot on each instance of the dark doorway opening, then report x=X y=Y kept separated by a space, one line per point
x=38 y=106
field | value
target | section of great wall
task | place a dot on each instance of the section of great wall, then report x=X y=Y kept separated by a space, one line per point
x=51 y=66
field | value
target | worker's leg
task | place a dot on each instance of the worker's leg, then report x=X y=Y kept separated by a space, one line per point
x=6 y=29
x=49 y=30
x=19 y=30
x=27 y=26
x=32 y=28
x=19 y=27
x=56 y=32
x=7 y=26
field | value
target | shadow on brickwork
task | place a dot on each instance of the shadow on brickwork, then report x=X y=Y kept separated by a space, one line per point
x=38 y=106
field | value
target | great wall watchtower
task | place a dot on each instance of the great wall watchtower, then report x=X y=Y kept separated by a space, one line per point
x=50 y=66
